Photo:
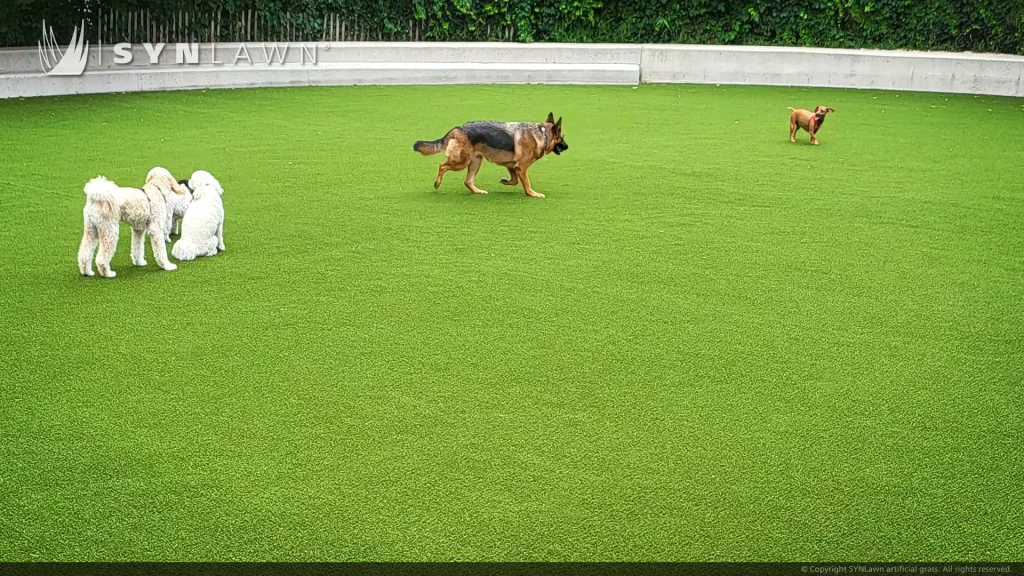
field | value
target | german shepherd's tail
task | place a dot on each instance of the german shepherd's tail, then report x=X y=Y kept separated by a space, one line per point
x=429 y=147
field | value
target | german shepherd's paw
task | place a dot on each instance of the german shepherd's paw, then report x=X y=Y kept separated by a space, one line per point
x=507 y=182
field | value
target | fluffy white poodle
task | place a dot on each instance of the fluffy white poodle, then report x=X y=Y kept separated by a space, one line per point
x=143 y=209
x=177 y=203
x=202 y=228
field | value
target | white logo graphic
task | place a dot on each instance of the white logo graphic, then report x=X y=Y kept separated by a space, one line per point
x=70 y=62
x=73 y=60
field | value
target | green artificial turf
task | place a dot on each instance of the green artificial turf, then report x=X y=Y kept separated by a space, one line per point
x=706 y=343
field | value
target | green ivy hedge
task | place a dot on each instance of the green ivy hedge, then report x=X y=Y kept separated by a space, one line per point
x=952 y=25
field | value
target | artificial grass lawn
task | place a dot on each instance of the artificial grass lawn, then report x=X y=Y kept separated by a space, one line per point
x=706 y=343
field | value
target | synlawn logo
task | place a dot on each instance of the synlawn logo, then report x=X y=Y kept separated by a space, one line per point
x=72 y=61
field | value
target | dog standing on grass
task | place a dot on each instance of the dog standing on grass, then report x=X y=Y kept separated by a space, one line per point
x=177 y=202
x=202 y=228
x=514 y=145
x=143 y=209
x=809 y=121
x=177 y=205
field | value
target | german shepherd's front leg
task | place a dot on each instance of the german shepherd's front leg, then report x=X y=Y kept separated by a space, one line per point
x=521 y=172
x=512 y=180
x=474 y=167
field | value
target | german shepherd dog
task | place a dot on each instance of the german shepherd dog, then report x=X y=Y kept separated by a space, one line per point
x=514 y=145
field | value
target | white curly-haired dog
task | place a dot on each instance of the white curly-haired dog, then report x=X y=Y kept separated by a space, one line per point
x=202 y=228
x=143 y=209
x=177 y=202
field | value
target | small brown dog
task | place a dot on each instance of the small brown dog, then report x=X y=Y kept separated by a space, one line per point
x=809 y=121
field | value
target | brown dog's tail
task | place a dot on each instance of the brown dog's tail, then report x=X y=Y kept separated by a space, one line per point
x=791 y=108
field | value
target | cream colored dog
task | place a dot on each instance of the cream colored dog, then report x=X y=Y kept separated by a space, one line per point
x=177 y=202
x=179 y=205
x=143 y=209
x=202 y=228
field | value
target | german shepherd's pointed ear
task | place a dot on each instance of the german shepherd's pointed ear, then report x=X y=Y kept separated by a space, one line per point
x=551 y=118
x=558 y=125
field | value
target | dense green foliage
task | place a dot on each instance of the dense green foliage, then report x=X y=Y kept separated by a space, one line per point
x=706 y=343
x=955 y=25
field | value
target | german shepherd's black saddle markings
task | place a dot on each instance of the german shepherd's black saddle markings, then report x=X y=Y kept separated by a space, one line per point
x=492 y=134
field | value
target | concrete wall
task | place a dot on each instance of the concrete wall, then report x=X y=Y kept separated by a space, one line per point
x=888 y=70
x=354 y=63
x=337 y=64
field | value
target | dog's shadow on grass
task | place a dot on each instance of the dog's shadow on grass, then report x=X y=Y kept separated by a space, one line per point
x=497 y=193
x=126 y=270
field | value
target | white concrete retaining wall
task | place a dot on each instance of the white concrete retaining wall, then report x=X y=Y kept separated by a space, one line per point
x=880 y=69
x=337 y=64
x=354 y=63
